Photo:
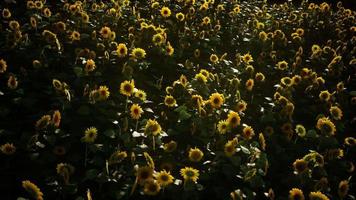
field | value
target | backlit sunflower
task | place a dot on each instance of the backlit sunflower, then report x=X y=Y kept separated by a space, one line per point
x=335 y=112
x=223 y=126
x=127 y=88
x=143 y=174
x=56 y=118
x=249 y=84
x=121 y=50
x=296 y=194
x=216 y=100
x=151 y=187
x=140 y=94
x=8 y=149
x=164 y=178
x=195 y=154
x=32 y=189
x=165 y=12
x=169 y=101
x=317 y=196
x=233 y=119
x=248 y=132
x=3 y=66
x=326 y=126
x=138 y=53
x=90 y=135
x=152 y=127
x=90 y=65
x=189 y=174
x=135 y=111
x=105 y=32
x=300 y=166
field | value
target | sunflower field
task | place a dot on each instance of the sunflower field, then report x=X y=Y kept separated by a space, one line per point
x=177 y=99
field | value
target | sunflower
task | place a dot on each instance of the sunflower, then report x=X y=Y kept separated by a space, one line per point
x=169 y=49
x=90 y=65
x=85 y=17
x=127 y=88
x=195 y=154
x=223 y=126
x=282 y=65
x=165 y=12
x=296 y=194
x=152 y=127
x=90 y=135
x=43 y=122
x=138 y=53
x=230 y=147
x=263 y=36
x=3 y=66
x=300 y=130
x=32 y=189
x=236 y=9
x=260 y=77
x=247 y=58
x=248 y=132
x=300 y=166
x=343 y=188
x=183 y=80
x=136 y=111
x=143 y=174
x=201 y=78
x=317 y=196
x=350 y=141
x=151 y=187
x=8 y=149
x=286 y=81
x=241 y=106
x=164 y=178
x=157 y=39
x=74 y=36
x=326 y=126
x=180 y=16
x=335 y=112
x=296 y=79
x=105 y=32
x=189 y=174
x=140 y=94
x=214 y=58
x=56 y=118
x=6 y=13
x=170 y=146
x=249 y=84
x=47 y=12
x=216 y=100
x=12 y=82
x=233 y=119
x=14 y=25
x=117 y=157
x=169 y=101
x=104 y=92
x=121 y=50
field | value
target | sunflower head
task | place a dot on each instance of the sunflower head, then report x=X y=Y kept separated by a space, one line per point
x=296 y=194
x=144 y=173
x=121 y=50
x=138 y=53
x=233 y=119
x=164 y=178
x=336 y=112
x=248 y=132
x=32 y=189
x=170 y=146
x=169 y=101
x=8 y=149
x=152 y=127
x=223 y=126
x=90 y=135
x=165 y=12
x=127 y=88
x=317 y=196
x=190 y=174
x=216 y=100
x=326 y=126
x=195 y=154
x=136 y=111
x=300 y=166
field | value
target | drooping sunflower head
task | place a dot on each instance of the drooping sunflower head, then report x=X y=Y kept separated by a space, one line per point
x=317 y=196
x=201 y=78
x=32 y=189
x=152 y=127
x=151 y=187
x=190 y=174
x=241 y=106
x=127 y=88
x=233 y=119
x=144 y=173
x=216 y=100
x=296 y=194
x=260 y=77
x=195 y=154
x=136 y=111
x=170 y=146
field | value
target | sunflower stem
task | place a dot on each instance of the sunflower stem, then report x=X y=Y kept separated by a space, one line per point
x=153 y=143
x=134 y=186
x=86 y=155
x=136 y=125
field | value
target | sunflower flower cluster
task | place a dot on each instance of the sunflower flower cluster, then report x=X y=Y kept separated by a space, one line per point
x=184 y=99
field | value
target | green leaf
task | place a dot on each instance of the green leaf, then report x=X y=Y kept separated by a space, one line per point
x=91 y=174
x=311 y=133
x=110 y=133
x=83 y=110
x=78 y=71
